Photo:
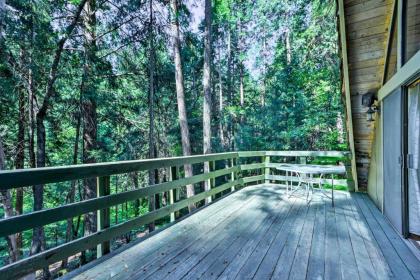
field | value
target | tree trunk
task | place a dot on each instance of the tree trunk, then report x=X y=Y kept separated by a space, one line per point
x=264 y=86
x=241 y=86
x=31 y=127
x=207 y=91
x=137 y=203
x=38 y=239
x=229 y=80
x=288 y=48
x=221 y=117
x=38 y=191
x=19 y=160
x=179 y=80
x=152 y=200
x=6 y=200
x=2 y=16
x=71 y=195
x=89 y=115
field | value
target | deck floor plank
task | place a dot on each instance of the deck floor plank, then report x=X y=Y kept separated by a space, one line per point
x=381 y=267
x=186 y=256
x=217 y=261
x=397 y=266
x=347 y=259
x=283 y=252
x=401 y=248
x=363 y=261
x=159 y=246
x=214 y=244
x=332 y=257
x=316 y=264
x=241 y=258
x=254 y=261
x=301 y=258
x=260 y=233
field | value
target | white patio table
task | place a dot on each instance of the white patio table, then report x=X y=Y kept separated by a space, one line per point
x=305 y=174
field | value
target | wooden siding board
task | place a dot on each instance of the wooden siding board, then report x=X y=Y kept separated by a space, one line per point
x=367 y=24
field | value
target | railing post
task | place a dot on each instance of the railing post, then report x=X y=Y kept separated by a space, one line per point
x=232 y=175
x=173 y=176
x=267 y=169
x=102 y=189
x=349 y=175
x=212 y=181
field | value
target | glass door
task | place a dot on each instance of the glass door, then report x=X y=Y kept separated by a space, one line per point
x=413 y=159
x=392 y=158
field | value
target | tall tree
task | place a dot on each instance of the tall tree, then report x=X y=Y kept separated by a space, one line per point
x=6 y=200
x=88 y=91
x=152 y=200
x=20 y=159
x=14 y=241
x=38 y=242
x=180 y=96
x=207 y=89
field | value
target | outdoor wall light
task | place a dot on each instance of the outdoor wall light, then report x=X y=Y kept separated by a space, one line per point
x=368 y=100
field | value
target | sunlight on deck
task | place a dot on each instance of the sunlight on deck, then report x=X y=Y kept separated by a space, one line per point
x=259 y=233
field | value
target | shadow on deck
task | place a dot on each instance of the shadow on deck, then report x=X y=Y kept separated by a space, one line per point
x=258 y=232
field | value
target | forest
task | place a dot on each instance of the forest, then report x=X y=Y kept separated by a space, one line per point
x=89 y=81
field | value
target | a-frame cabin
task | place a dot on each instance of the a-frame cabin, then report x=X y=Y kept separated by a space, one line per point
x=380 y=43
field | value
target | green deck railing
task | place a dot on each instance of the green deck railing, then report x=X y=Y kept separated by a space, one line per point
x=241 y=168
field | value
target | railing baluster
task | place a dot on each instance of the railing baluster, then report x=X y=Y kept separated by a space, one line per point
x=103 y=188
x=349 y=174
x=232 y=175
x=267 y=169
x=212 y=165
x=173 y=177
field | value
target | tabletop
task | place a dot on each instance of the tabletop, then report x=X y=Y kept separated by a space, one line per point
x=312 y=168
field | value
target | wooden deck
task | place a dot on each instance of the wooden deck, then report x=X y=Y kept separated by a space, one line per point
x=259 y=233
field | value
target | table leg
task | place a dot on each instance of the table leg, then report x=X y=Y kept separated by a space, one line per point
x=332 y=189
x=309 y=186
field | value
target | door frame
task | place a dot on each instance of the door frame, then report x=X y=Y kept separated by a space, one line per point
x=404 y=153
x=405 y=174
x=404 y=166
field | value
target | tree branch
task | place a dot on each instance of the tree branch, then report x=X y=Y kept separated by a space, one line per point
x=56 y=61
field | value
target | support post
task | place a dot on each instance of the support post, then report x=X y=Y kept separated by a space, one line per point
x=232 y=175
x=267 y=169
x=212 y=181
x=103 y=218
x=173 y=175
x=347 y=90
x=349 y=177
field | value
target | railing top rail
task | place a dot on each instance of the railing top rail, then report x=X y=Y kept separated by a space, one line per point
x=33 y=176
x=309 y=153
x=295 y=153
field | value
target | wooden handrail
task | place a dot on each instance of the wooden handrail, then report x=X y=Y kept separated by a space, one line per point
x=35 y=176
x=46 y=216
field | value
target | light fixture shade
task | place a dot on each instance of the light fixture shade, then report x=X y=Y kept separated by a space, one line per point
x=369 y=114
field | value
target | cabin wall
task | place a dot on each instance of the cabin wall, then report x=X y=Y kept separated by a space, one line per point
x=375 y=179
x=367 y=24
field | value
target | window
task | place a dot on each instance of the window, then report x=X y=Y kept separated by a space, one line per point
x=412 y=40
